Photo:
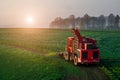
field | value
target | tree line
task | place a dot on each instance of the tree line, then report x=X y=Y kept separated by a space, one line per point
x=87 y=22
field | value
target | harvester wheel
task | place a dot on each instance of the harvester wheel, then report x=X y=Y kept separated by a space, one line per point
x=66 y=56
x=71 y=59
x=75 y=60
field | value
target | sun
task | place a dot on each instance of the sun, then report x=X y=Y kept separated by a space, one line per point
x=29 y=20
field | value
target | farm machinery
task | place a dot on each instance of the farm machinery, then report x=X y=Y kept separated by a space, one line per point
x=81 y=49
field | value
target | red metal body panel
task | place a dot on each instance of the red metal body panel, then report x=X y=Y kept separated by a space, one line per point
x=69 y=44
x=90 y=58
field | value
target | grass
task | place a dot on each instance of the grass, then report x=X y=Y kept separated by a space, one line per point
x=109 y=44
x=18 y=63
x=44 y=40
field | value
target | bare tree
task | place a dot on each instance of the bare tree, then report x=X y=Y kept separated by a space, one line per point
x=78 y=22
x=86 y=20
x=71 y=21
x=111 y=21
x=101 y=21
x=117 y=22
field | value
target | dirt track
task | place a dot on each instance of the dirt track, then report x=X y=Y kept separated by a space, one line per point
x=92 y=71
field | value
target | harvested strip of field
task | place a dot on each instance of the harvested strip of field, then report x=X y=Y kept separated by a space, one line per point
x=94 y=73
x=26 y=48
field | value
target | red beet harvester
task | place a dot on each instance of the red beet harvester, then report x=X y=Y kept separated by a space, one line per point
x=81 y=49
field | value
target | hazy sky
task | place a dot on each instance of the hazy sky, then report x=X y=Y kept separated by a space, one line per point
x=17 y=12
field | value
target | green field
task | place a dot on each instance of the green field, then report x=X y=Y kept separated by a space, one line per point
x=32 y=54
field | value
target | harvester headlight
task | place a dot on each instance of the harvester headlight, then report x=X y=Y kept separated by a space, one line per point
x=85 y=54
x=95 y=54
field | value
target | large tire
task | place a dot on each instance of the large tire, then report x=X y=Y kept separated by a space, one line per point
x=75 y=60
x=67 y=56
x=71 y=59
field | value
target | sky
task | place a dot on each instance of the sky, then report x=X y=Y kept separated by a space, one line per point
x=39 y=13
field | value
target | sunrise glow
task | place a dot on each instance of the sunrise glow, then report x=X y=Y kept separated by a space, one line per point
x=30 y=20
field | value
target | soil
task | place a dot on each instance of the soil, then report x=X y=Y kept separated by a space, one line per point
x=93 y=72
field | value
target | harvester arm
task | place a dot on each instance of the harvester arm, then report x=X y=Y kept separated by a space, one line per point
x=76 y=33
